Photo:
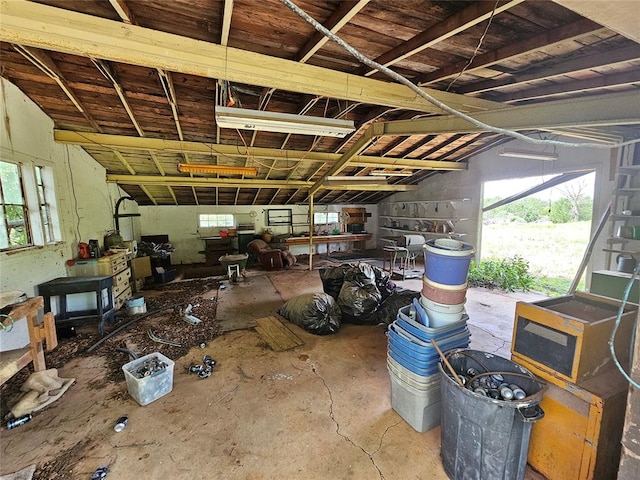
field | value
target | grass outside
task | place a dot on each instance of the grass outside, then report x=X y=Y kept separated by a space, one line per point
x=554 y=251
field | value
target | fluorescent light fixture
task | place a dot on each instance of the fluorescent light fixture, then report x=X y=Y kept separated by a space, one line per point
x=387 y=173
x=244 y=119
x=217 y=169
x=346 y=180
x=529 y=155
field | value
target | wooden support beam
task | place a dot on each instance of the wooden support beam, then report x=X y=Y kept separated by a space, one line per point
x=56 y=29
x=470 y=16
x=46 y=65
x=576 y=65
x=338 y=19
x=129 y=143
x=547 y=40
x=106 y=70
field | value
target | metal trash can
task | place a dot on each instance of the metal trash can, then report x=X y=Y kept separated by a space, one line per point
x=485 y=438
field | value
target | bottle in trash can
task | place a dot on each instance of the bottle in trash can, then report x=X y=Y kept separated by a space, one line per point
x=16 y=422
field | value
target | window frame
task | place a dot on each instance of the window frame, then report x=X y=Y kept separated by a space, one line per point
x=325 y=218
x=40 y=232
x=214 y=222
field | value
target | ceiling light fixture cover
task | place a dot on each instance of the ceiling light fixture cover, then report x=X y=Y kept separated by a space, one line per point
x=529 y=155
x=385 y=173
x=217 y=169
x=362 y=180
x=258 y=120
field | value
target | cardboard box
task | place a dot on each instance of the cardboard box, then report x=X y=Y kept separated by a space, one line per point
x=141 y=267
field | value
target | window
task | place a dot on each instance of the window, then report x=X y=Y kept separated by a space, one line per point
x=28 y=214
x=44 y=195
x=320 y=218
x=206 y=220
x=15 y=230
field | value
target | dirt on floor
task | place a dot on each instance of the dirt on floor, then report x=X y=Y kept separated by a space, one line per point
x=163 y=320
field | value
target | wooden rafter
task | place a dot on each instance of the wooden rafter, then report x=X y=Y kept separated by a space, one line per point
x=576 y=65
x=582 y=86
x=575 y=30
x=466 y=18
x=47 y=66
x=107 y=71
x=129 y=143
x=62 y=30
x=338 y=19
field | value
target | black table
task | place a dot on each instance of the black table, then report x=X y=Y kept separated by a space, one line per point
x=63 y=286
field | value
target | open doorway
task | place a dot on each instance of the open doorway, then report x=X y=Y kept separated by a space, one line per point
x=546 y=222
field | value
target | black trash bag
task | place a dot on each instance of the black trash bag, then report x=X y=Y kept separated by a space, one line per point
x=333 y=278
x=385 y=285
x=400 y=297
x=359 y=303
x=317 y=313
x=362 y=274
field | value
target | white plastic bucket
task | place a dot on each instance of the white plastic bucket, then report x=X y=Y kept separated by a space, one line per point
x=441 y=314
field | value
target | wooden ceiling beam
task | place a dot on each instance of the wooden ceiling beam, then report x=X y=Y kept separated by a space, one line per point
x=602 y=110
x=548 y=39
x=226 y=22
x=147 y=144
x=200 y=182
x=56 y=29
x=574 y=86
x=338 y=19
x=576 y=65
x=122 y=9
x=593 y=111
x=105 y=68
x=460 y=21
x=46 y=65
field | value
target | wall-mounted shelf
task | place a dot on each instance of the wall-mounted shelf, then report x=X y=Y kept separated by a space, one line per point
x=432 y=234
x=430 y=218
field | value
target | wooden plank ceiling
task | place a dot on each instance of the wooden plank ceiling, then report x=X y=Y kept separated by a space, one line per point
x=136 y=83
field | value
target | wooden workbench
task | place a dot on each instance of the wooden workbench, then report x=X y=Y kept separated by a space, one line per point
x=12 y=361
x=341 y=238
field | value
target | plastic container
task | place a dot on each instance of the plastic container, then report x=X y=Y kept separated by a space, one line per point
x=418 y=382
x=135 y=306
x=423 y=351
x=148 y=389
x=441 y=314
x=441 y=293
x=483 y=438
x=425 y=334
x=449 y=267
x=421 y=409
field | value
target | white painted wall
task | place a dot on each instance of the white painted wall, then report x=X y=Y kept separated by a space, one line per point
x=85 y=200
x=181 y=224
x=489 y=166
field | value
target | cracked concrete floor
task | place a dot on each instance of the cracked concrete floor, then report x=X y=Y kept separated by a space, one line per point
x=322 y=410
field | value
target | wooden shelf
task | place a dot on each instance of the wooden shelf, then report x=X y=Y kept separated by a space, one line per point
x=434 y=234
x=420 y=219
x=12 y=361
x=455 y=200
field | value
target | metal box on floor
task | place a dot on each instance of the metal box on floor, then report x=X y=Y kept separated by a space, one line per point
x=567 y=337
x=579 y=436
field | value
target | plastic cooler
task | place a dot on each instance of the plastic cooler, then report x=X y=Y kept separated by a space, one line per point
x=419 y=407
x=148 y=389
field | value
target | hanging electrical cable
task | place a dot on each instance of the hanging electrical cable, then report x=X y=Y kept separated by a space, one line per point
x=612 y=339
x=475 y=52
x=434 y=101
